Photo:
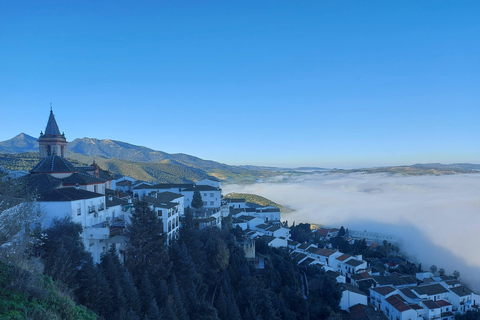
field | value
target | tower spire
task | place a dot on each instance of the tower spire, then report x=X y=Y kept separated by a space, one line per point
x=52 y=142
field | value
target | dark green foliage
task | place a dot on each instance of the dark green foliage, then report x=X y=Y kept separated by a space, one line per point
x=203 y=275
x=324 y=294
x=146 y=249
x=36 y=297
x=341 y=244
x=407 y=268
x=469 y=315
x=63 y=252
x=341 y=232
x=301 y=232
x=359 y=246
x=197 y=201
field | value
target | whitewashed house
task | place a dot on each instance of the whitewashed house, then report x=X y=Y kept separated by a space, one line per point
x=351 y=296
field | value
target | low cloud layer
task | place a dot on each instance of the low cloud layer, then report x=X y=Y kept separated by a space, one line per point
x=437 y=218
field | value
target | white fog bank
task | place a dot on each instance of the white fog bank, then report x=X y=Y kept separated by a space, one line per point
x=437 y=218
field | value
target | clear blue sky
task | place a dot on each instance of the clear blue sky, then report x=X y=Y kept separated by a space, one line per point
x=282 y=83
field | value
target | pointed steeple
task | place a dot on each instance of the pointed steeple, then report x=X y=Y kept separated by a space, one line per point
x=52 y=127
x=52 y=142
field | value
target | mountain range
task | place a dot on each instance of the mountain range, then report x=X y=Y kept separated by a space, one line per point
x=127 y=159
x=142 y=163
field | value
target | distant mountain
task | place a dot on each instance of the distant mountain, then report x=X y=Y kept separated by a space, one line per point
x=127 y=159
x=147 y=164
x=419 y=169
x=112 y=149
x=19 y=144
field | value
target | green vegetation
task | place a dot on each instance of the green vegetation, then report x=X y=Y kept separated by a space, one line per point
x=24 y=161
x=28 y=295
x=202 y=275
x=256 y=199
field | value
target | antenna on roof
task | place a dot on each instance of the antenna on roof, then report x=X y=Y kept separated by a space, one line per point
x=51 y=107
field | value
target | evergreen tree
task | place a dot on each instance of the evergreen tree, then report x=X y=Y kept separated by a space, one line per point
x=131 y=295
x=341 y=232
x=147 y=295
x=146 y=249
x=63 y=252
x=197 y=201
x=93 y=291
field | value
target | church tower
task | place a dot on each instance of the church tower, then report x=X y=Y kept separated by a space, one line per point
x=52 y=142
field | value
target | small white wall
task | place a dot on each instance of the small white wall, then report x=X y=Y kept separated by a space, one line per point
x=351 y=298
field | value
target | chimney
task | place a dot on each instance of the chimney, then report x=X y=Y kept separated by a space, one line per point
x=77 y=186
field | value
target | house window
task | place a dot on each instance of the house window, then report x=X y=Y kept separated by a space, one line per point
x=79 y=209
x=211 y=203
x=204 y=194
x=204 y=203
x=211 y=194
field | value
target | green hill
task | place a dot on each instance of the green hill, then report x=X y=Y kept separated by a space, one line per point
x=256 y=199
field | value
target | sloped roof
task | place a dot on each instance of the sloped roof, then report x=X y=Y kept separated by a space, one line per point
x=82 y=179
x=430 y=304
x=168 y=196
x=325 y=252
x=246 y=218
x=360 y=276
x=159 y=203
x=430 y=290
x=349 y=287
x=299 y=257
x=383 y=290
x=452 y=282
x=201 y=188
x=293 y=243
x=408 y=293
x=274 y=228
x=354 y=262
x=52 y=127
x=343 y=257
x=54 y=164
x=115 y=202
x=39 y=182
x=443 y=303
x=124 y=183
x=68 y=194
x=363 y=312
x=461 y=291
x=394 y=280
x=398 y=303
x=306 y=262
x=263 y=226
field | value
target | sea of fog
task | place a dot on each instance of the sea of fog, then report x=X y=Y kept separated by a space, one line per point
x=436 y=218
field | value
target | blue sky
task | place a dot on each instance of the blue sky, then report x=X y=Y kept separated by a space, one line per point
x=281 y=83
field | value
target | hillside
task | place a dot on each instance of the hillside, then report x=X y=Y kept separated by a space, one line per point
x=418 y=169
x=147 y=164
x=26 y=295
x=166 y=171
x=256 y=199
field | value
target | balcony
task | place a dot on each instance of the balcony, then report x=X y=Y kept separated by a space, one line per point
x=105 y=230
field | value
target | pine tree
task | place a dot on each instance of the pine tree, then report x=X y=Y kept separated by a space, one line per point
x=197 y=201
x=146 y=248
x=131 y=295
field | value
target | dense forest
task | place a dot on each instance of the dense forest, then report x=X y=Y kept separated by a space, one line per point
x=202 y=275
